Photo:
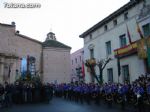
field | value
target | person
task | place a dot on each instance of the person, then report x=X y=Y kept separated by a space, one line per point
x=16 y=94
x=139 y=91
x=47 y=92
x=8 y=95
x=29 y=93
x=96 y=95
x=109 y=95
x=87 y=95
x=123 y=90
x=36 y=95
x=81 y=97
x=148 y=93
x=1 y=95
x=24 y=92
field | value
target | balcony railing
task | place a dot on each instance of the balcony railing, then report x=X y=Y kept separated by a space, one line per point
x=126 y=50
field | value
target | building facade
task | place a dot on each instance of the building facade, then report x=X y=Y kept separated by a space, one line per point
x=117 y=37
x=56 y=60
x=77 y=72
x=15 y=47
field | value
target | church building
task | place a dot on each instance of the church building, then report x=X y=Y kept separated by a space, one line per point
x=50 y=60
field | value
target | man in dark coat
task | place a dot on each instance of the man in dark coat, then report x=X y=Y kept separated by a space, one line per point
x=1 y=95
x=8 y=95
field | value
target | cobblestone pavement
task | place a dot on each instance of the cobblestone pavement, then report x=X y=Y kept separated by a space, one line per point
x=61 y=105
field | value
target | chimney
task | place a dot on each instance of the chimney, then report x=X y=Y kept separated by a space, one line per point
x=17 y=31
x=134 y=0
x=13 y=23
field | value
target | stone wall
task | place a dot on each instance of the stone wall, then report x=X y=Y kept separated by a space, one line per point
x=19 y=46
x=52 y=64
x=56 y=65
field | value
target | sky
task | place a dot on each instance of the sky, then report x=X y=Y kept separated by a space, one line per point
x=66 y=18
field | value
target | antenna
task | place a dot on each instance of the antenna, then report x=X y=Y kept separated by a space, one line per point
x=51 y=28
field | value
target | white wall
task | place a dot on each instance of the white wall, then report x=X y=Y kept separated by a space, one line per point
x=112 y=34
x=57 y=65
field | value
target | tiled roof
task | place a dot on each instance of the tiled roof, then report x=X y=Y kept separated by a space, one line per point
x=54 y=43
x=9 y=25
x=26 y=37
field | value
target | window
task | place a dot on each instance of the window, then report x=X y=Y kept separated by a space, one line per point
x=115 y=22
x=72 y=62
x=80 y=58
x=126 y=16
x=122 y=40
x=146 y=30
x=90 y=36
x=108 y=47
x=125 y=72
x=110 y=74
x=105 y=28
x=72 y=72
x=76 y=60
x=92 y=53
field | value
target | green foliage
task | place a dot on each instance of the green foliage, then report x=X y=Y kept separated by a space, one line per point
x=29 y=79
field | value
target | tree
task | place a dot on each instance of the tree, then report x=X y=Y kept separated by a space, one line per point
x=101 y=65
x=91 y=63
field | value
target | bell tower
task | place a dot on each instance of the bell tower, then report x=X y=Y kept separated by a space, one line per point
x=51 y=36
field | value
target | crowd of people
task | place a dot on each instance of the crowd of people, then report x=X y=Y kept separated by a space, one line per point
x=24 y=92
x=136 y=94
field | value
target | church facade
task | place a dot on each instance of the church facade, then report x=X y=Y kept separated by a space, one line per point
x=50 y=59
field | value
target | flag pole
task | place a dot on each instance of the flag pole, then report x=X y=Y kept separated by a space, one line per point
x=128 y=33
x=138 y=29
x=129 y=36
x=118 y=65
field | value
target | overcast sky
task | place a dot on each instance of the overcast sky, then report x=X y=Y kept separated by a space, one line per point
x=66 y=18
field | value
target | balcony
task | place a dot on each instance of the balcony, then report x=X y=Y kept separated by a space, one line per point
x=126 y=50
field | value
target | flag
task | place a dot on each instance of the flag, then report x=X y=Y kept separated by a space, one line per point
x=148 y=56
x=139 y=30
x=129 y=36
x=118 y=65
x=83 y=72
x=141 y=48
x=148 y=51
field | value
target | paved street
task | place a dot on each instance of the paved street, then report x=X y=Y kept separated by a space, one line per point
x=60 y=105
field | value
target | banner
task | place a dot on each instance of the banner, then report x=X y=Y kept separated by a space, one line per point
x=148 y=50
x=139 y=30
x=141 y=47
